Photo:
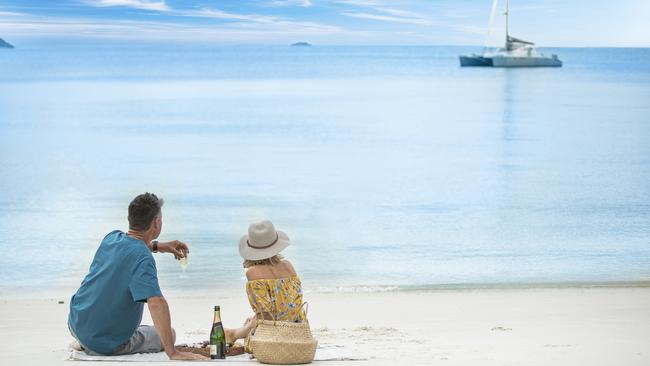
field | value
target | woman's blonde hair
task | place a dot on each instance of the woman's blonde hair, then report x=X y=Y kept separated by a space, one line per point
x=264 y=262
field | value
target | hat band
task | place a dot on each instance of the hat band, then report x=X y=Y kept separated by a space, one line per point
x=265 y=246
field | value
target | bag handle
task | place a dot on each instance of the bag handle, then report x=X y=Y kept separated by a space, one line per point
x=305 y=305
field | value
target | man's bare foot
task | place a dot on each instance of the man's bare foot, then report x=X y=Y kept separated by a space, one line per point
x=74 y=345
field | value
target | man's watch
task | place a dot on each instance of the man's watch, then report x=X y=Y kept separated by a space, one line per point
x=154 y=244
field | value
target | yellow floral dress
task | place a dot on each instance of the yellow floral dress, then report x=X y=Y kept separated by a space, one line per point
x=280 y=297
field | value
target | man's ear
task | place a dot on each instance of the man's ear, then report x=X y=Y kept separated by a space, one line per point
x=155 y=225
x=157 y=222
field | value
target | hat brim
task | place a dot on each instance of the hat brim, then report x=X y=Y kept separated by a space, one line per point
x=253 y=254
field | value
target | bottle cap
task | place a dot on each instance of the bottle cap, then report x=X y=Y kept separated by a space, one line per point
x=216 y=308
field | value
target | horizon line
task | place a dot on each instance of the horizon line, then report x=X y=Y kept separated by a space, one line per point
x=113 y=40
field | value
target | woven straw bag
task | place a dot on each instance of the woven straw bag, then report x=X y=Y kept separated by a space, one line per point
x=282 y=342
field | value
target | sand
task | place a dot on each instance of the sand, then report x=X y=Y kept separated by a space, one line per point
x=516 y=326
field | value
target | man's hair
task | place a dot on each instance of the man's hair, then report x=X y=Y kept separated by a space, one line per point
x=143 y=210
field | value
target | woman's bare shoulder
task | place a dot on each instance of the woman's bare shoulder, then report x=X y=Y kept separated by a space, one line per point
x=255 y=273
x=289 y=267
x=278 y=270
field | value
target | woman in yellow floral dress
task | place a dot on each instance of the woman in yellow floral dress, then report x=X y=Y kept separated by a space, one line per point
x=273 y=288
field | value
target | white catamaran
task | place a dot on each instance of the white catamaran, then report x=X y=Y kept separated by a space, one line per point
x=516 y=53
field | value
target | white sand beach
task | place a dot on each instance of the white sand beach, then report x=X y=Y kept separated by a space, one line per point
x=516 y=326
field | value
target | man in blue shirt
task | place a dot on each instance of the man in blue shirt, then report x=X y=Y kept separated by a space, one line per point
x=106 y=311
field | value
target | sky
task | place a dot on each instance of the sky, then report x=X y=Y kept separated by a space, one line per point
x=579 y=23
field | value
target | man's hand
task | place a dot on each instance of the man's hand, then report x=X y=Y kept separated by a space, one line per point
x=159 y=311
x=178 y=355
x=176 y=247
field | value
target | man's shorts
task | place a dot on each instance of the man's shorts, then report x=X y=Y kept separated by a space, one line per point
x=144 y=340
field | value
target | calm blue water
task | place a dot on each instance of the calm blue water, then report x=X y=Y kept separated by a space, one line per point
x=387 y=166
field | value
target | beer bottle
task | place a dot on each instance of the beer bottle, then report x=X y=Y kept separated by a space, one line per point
x=217 y=337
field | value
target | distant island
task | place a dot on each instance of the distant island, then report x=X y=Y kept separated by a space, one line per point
x=5 y=44
x=300 y=44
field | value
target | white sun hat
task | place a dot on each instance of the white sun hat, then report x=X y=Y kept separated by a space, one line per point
x=262 y=241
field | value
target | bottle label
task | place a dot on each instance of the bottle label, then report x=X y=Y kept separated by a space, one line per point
x=213 y=350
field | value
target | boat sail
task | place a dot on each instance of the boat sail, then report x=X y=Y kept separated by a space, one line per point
x=516 y=53
x=513 y=43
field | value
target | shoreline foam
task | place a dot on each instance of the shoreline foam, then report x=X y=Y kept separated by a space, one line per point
x=65 y=293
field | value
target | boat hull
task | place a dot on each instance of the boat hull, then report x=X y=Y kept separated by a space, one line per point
x=509 y=61
x=513 y=61
x=475 y=60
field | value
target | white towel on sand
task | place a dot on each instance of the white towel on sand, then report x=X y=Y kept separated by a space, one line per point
x=334 y=353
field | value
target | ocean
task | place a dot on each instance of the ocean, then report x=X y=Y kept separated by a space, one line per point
x=388 y=167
